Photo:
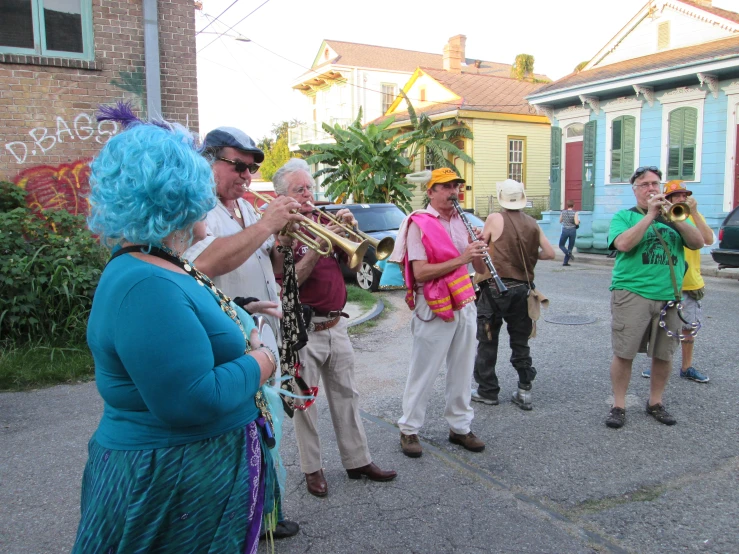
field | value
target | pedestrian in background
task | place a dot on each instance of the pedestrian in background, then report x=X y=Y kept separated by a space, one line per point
x=570 y=221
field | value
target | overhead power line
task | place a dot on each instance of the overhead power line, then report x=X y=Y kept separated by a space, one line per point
x=217 y=17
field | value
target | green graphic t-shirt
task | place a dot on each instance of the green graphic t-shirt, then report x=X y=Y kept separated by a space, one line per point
x=645 y=269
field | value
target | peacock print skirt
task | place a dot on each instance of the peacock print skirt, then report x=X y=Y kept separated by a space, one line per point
x=206 y=496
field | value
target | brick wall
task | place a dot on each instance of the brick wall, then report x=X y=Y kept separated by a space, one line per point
x=47 y=105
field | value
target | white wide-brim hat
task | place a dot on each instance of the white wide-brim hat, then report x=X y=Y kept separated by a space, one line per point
x=511 y=195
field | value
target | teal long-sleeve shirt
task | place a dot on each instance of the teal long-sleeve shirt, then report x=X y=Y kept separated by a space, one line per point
x=169 y=363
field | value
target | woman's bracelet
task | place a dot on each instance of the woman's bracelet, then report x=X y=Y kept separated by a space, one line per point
x=271 y=356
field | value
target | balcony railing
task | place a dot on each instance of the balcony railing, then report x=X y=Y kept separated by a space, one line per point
x=313 y=133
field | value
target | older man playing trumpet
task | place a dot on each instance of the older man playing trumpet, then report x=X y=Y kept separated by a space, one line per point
x=328 y=355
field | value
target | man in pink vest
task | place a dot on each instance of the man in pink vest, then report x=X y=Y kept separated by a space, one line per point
x=434 y=248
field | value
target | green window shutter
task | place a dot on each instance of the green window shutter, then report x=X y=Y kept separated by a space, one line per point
x=555 y=170
x=628 y=148
x=588 y=166
x=616 y=149
x=690 y=133
x=683 y=133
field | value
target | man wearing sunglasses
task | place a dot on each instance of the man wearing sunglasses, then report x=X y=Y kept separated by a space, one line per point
x=238 y=251
x=649 y=269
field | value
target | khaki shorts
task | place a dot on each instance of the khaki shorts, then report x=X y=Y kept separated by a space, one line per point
x=635 y=327
x=691 y=310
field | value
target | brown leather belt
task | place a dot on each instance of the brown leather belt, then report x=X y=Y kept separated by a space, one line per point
x=323 y=325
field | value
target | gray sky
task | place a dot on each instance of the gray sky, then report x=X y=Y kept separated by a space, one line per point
x=248 y=84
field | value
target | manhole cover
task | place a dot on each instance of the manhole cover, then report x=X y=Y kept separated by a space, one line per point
x=570 y=319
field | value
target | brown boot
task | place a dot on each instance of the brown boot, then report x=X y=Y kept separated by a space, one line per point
x=468 y=441
x=316 y=483
x=410 y=445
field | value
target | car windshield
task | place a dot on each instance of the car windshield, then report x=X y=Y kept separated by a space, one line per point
x=378 y=218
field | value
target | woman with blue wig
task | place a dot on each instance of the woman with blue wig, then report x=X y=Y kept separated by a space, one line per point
x=179 y=462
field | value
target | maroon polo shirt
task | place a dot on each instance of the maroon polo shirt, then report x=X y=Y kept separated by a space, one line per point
x=324 y=289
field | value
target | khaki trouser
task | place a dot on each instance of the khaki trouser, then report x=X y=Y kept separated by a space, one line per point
x=433 y=342
x=329 y=356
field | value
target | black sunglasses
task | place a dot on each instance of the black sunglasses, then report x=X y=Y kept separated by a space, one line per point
x=240 y=166
x=643 y=169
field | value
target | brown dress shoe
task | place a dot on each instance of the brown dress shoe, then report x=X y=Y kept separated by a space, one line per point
x=410 y=445
x=372 y=472
x=316 y=483
x=468 y=441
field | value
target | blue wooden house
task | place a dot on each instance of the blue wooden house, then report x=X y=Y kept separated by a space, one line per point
x=663 y=92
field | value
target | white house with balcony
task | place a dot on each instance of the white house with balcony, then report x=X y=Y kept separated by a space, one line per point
x=347 y=76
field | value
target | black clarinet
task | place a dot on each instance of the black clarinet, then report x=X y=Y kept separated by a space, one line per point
x=501 y=288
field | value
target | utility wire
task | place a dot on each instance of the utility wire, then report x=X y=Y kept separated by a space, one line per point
x=234 y=25
x=217 y=17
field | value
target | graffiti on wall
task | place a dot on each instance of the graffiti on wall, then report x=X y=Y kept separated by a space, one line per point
x=44 y=139
x=62 y=187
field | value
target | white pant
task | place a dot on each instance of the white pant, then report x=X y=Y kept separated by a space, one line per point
x=433 y=341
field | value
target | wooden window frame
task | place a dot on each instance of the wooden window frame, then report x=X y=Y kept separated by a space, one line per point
x=387 y=100
x=39 y=35
x=680 y=176
x=509 y=163
x=672 y=100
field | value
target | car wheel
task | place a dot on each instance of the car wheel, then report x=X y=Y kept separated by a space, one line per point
x=368 y=277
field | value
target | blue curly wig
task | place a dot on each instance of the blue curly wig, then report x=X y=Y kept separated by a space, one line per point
x=148 y=182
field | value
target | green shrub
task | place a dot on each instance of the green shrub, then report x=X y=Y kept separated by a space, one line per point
x=50 y=265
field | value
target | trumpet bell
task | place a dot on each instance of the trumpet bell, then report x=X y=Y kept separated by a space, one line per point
x=678 y=212
x=383 y=248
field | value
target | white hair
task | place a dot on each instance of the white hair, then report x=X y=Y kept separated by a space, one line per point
x=293 y=165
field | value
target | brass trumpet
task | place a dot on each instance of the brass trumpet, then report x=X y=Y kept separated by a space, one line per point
x=355 y=250
x=674 y=212
x=383 y=247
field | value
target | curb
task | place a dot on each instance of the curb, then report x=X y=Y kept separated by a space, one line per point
x=377 y=310
x=728 y=273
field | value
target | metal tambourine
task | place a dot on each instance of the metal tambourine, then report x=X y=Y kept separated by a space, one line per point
x=269 y=339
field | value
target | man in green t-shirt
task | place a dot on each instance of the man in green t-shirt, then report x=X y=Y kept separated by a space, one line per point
x=649 y=270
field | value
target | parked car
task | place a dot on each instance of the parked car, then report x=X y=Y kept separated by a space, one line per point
x=727 y=253
x=378 y=221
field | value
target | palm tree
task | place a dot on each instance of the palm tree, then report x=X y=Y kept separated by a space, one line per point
x=435 y=140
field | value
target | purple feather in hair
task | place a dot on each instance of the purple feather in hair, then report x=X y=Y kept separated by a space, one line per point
x=120 y=113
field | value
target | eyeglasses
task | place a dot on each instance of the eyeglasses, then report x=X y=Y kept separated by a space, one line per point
x=240 y=166
x=643 y=169
x=301 y=190
x=653 y=184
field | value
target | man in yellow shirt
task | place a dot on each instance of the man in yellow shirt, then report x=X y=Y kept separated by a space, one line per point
x=693 y=285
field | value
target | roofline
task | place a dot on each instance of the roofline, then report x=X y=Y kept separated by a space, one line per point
x=311 y=73
x=728 y=61
x=643 y=13
x=625 y=30
x=472 y=114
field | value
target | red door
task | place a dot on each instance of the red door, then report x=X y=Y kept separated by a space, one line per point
x=573 y=173
x=736 y=170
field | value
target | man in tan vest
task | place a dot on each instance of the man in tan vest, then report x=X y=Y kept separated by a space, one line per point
x=516 y=243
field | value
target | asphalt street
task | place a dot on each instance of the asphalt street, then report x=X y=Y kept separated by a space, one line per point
x=555 y=479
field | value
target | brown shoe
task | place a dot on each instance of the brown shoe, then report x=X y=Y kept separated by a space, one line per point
x=410 y=445
x=372 y=472
x=316 y=483
x=468 y=441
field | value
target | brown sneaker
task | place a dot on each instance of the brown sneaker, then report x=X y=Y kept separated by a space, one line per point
x=410 y=445
x=468 y=441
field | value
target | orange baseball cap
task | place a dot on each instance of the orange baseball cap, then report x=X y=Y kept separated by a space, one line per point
x=671 y=187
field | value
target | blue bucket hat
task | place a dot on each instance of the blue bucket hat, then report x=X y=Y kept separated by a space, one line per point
x=235 y=138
